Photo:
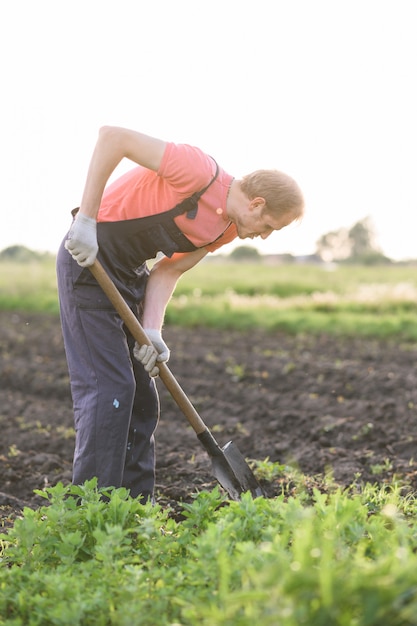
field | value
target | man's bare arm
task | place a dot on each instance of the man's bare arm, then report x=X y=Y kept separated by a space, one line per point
x=162 y=281
x=114 y=144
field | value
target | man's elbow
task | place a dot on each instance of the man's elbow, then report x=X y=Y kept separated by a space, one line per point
x=167 y=268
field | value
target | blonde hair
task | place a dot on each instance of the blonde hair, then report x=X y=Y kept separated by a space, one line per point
x=281 y=193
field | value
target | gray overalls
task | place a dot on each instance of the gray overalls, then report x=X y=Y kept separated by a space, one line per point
x=116 y=405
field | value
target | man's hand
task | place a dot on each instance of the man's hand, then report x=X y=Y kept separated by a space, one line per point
x=82 y=240
x=150 y=355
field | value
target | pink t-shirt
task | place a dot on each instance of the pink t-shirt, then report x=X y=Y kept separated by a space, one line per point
x=184 y=170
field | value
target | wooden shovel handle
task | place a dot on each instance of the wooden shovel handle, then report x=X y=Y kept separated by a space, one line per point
x=141 y=337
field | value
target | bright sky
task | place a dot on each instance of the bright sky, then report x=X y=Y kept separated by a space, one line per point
x=324 y=90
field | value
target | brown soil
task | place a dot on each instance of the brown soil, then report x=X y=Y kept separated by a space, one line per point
x=320 y=404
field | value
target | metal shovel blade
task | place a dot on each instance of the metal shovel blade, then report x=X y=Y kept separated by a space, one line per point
x=237 y=462
x=230 y=468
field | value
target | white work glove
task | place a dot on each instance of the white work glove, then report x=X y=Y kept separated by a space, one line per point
x=150 y=355
x=82 y=240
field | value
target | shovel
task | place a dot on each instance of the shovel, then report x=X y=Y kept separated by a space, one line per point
x=228 y=464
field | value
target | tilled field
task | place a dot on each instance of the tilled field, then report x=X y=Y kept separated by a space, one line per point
x=321 y=404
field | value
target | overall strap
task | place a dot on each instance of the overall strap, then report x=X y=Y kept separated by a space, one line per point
x=190 y=205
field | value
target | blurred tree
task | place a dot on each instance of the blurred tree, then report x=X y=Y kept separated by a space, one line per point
x=245 y=253
x=21 y=254
x=356 y=244
x=334 y=246
x=363 y=239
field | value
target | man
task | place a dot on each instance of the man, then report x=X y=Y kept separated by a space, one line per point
x=177 y=201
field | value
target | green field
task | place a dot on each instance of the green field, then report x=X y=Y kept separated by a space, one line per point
x=376 y=301
x=316 y=555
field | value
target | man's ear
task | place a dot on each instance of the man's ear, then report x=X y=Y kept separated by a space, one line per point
x=257 y=203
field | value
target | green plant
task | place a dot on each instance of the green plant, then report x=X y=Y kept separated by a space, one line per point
x=97 y=557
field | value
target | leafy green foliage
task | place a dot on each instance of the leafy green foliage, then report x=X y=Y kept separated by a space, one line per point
x=100 y=558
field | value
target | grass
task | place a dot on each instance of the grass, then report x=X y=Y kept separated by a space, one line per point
x=346 y=300
x=28 y=286
x=216 y=276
